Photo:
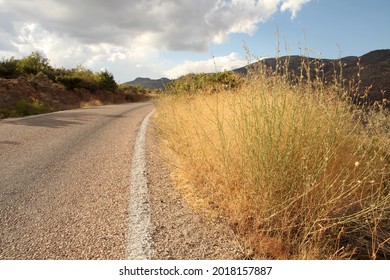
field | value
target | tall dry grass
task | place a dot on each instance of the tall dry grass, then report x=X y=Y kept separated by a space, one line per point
x=292 y=167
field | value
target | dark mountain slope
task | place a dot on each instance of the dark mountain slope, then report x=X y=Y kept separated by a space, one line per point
x=374 y=70
x=149 y=83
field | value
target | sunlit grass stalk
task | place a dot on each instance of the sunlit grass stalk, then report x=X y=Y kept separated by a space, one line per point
x=288 y=164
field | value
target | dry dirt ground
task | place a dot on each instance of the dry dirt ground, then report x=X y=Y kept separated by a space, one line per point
x=178 y=232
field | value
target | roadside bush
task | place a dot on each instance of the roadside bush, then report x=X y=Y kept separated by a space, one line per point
x=7 y=113
x=107 y=81
x=9 y=68
x=26 y=108
x=89 y=79
x=70 y=82
x=133 y=93
x=212 y=82
x=81 y=77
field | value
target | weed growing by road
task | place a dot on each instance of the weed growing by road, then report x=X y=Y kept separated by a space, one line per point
x=291 y=165
x=25 y=108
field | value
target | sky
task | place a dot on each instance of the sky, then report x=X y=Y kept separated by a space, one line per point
x=170 y=38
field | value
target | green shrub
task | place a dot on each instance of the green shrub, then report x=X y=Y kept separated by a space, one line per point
x=89 y=79
x=7 y=113
x=9 y=68
x=33 y=64
x=70 y=82
x=26 y=108
x=81 y=77
x=107 y=81
x=133 y=93
x=192 y=83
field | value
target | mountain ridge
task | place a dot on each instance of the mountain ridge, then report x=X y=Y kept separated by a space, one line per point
x=372 y=69
x=148 y=83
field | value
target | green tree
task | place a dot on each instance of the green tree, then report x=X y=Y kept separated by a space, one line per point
x=33 y=64
x=107 y=81
x=70 y=82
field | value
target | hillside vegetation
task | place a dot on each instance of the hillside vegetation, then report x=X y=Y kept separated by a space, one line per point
x=36 y=63
x=32 y=86
x=295 y=166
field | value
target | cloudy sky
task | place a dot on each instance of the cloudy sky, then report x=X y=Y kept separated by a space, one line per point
x=169 y=38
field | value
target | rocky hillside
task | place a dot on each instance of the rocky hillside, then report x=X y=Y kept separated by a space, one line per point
x=31 y=85
x=374 y=70
x=54 y=96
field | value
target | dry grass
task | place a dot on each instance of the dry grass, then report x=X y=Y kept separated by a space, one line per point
x=91 y=103
x=292 y=167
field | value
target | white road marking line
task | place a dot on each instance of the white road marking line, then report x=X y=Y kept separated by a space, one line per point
x=139 y=243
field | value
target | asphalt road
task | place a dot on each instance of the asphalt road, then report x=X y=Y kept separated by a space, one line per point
x=65 y=183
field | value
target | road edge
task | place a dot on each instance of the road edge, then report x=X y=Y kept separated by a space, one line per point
x=139 y=241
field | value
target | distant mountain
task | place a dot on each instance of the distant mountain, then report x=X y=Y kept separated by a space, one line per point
x=374 y=66
x=147 y=83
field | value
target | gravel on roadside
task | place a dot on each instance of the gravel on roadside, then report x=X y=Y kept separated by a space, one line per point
x=178 y=233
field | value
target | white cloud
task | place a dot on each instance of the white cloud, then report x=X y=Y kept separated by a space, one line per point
x=121 y=34
x=170 y=24
x=293 y=5
x=215 y=64
x=63 y=51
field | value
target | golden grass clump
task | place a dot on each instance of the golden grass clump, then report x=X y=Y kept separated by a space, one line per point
x=91 y=103
x=291 y=166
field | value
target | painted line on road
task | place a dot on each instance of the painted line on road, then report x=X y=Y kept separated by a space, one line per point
x=139 y=242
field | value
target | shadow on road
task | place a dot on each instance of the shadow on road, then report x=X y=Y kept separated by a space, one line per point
x=69 y=118
x=52 y=121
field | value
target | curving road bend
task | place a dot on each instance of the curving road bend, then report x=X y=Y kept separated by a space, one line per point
x=65 y=183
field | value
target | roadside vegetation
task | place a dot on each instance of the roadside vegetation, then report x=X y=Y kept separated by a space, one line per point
x=87 y=85
x=135 y=93
x=295 y=166
x=37 y=64
x=201 y=83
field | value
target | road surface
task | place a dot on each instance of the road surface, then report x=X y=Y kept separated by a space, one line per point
x=65 y=183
